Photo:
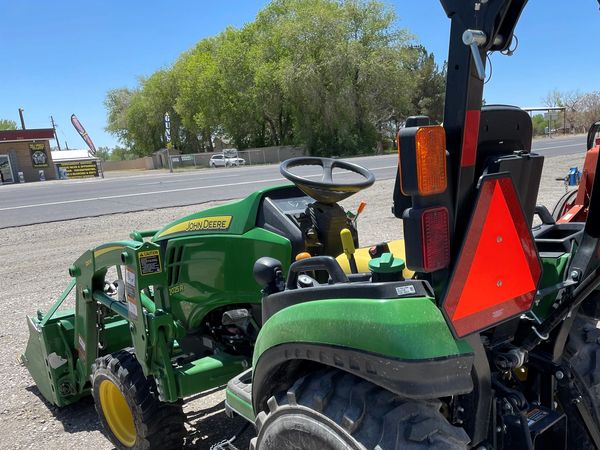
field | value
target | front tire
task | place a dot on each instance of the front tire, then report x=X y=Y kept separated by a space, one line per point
x=128 y=406
x=334 y=410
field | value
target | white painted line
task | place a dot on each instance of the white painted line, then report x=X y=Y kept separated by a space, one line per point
x=557 y=146
x=137 y=194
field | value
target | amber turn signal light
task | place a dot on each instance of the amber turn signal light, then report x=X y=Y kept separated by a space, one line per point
x=422 y=154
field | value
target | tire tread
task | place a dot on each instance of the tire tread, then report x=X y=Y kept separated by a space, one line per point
x=160 y=425
x=373 y=417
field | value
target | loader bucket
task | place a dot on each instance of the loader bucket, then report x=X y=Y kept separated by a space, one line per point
x=49 y=353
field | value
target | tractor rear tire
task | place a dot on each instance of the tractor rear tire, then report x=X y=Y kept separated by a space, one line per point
x=334 y=410
x=583 y=354
x=128 y=406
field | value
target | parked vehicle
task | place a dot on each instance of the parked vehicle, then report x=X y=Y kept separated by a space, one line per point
x=237 y=161
x=221 y=160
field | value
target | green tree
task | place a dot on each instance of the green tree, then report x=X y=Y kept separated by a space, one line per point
x=6 y=124
x=121 y=154
x=343 y=71
x=427 y=95
x=117 y=104
x=337 y=76
x=539 y=124
x=103 y=153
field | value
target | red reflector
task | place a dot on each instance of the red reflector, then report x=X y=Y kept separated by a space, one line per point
x=436 y=239
x=498 y=269
x=470 y=135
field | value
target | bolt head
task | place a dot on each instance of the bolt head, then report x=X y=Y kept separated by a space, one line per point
x=559 y=375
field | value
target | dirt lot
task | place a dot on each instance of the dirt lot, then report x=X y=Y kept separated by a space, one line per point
x=33 y=272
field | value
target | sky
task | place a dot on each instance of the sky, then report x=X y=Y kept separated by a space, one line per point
x=61 y=57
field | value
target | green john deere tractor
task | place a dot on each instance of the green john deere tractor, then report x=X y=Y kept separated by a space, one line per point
x=492 y=343
x=487 y=339
x=176 y=311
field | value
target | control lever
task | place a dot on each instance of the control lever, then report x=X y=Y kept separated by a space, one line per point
x=361 y=207
x=349 y=249
x=377 y=250
x=476 y=39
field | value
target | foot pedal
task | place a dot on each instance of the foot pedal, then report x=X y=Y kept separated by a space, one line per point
x=238 y=396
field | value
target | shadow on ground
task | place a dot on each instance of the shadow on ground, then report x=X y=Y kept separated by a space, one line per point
x=211 y=426
x=80 y=416
x=206 y=427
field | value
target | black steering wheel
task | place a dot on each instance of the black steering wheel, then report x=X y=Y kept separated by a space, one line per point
x=325 y=190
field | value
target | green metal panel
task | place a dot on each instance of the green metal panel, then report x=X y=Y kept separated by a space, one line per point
x=90 y=270
x=553 y=268
x=231 y=218
x=216 y=270
x=208 y=372
x=408 y=328
x=240 y=406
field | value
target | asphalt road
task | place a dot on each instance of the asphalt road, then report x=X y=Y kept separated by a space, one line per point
x=25 y=204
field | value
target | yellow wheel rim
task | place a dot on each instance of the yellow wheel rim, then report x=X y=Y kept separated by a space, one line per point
x=117 y=413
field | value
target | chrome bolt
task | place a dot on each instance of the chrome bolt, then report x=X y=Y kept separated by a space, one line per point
x=559 y=375
x=499 y=283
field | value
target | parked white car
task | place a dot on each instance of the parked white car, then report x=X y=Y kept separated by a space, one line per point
x=221 y=160
x=238 y=161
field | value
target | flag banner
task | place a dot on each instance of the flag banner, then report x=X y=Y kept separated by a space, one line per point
x=77 y=124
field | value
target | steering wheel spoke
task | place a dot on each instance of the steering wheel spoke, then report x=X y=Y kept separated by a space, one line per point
x=328 y=171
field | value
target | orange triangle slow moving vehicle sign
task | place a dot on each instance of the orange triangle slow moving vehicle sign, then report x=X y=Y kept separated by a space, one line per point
x=498 y=268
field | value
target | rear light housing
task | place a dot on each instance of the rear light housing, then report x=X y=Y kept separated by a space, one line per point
x=428 y=248
x=422 y=159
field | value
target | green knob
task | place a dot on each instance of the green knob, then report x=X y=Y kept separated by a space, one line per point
x=386 y=263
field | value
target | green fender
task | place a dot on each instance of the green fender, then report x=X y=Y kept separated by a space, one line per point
x=402 y=344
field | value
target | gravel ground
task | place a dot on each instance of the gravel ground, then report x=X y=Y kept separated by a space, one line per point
x=34 y=272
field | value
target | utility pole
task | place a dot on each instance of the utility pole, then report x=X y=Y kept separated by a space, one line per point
x=22 y=119
x=55 y=135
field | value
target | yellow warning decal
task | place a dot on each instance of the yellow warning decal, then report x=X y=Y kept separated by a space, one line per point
x=149 y=262
x=213 y=223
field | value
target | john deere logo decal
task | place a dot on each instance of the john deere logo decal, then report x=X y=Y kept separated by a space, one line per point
x=213 y=223
x=219 y=223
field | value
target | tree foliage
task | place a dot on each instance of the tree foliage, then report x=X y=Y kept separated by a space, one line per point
x=6 y=124
x=338 y=77
x=582 y=109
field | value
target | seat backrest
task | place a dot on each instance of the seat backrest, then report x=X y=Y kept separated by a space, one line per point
x=504 y=145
